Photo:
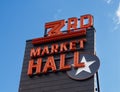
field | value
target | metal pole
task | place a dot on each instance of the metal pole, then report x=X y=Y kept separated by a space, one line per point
x=45 y=32
x=98 y=86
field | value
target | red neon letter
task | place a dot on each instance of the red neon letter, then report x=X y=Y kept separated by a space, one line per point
x=33 y=66
x=63 y=65
x=73 y=45
x=45 y=50
x=35 y=52
x=50 y=64
x=72 y=24
x=55 y=27
x=90 y=21
x=63 y=47
x=76 y=60
x=82 y=43
x=54 y=48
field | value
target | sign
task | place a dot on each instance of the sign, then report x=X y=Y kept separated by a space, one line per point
x=80 y=66
x=64 y=60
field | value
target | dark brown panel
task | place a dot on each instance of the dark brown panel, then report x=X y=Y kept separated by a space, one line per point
x=59 y=81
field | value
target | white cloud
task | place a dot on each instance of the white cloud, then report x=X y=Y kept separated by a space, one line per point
x=116 y=18
x=118 y=14
x=108 y=1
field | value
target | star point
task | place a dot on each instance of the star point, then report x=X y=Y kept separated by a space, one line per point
x=86 y=68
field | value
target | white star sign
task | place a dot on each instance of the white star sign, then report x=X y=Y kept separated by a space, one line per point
x=86 y=68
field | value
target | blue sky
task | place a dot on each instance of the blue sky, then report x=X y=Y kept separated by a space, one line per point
x=21 y=20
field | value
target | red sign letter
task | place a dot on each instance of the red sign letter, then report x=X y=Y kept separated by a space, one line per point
x=35 y=52
x=62 y=63
x=82 y=43
x=50 y=64
x=33 y=66
x=55 y=27
x=82 y=21
x=76 y=60
x=72 y=24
